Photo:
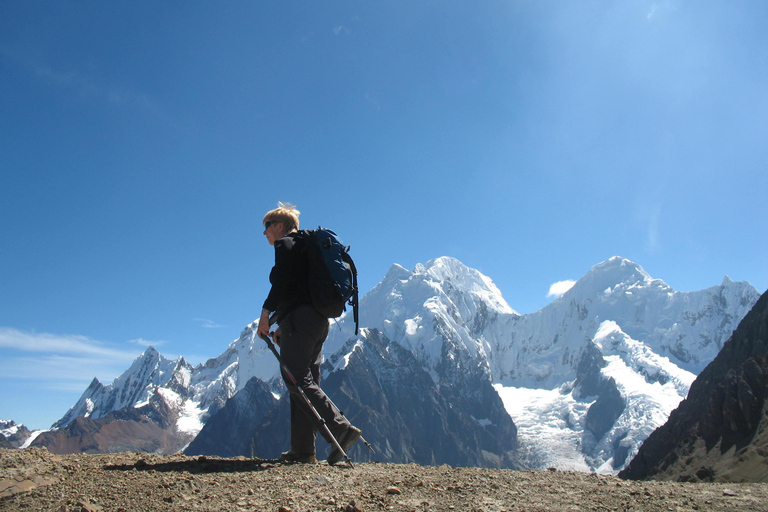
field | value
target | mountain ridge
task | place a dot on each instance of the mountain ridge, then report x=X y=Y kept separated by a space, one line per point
x=631 y=335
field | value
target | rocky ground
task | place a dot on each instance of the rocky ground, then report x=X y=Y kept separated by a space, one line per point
x=35 y=479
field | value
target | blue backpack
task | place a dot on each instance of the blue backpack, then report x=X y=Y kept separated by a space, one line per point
x=332 y=274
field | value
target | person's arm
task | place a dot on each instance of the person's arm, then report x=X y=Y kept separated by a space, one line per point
x=280 y=277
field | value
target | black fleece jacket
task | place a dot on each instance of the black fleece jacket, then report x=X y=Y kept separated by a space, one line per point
x=289 y=277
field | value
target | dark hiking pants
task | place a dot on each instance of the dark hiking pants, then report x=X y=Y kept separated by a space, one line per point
x=303 y=332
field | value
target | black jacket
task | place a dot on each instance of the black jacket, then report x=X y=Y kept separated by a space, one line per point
x=289 y=277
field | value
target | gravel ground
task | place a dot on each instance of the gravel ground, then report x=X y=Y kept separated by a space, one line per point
x=35 y=479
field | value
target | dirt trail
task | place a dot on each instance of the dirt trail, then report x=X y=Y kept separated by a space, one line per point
x=35 y=479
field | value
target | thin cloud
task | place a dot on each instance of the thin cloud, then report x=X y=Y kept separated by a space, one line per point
x=61 y=373
x=62 y=344
x=67 y=362
x=648 y=214
x=84 y=84
x=208 y=324
x=371 y=99
x=147 y=343
x=340 y=29
x=652 y=242
x=87 y=87
x=658 y=9
x=559 y=288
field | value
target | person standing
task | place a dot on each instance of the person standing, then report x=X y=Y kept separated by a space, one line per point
x=300 y=336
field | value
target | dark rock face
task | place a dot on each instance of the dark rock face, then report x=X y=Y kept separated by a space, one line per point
x=408 y=418
x=720 y=431
x=588 y=378
x=233 y=429
x=604 y=412
x=384 y=391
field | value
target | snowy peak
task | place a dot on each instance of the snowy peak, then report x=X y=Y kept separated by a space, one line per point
x=454 y=275
x=444 y=275
x=650 y=339
x=134 y=387
x=245 y=357
x=687 y=327
x=443 y=283
x=136 y=384
x=441 y=307
x=396 y=273
x=615 y=275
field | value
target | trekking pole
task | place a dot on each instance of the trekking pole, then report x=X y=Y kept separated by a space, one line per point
x=319 y=418
x=361 y=438
x=272 y=320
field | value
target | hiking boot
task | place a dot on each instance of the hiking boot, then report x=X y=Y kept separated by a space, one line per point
x=345 y=439
x=302 y=458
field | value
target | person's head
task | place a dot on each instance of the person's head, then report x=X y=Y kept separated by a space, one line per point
x=279 y=222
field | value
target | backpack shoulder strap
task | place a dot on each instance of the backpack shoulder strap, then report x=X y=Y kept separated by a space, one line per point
x=353 y=301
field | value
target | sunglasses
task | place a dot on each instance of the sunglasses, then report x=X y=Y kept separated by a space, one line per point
x=269 y=223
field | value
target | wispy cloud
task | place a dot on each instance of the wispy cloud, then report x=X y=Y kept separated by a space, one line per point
x=208 y=324
x=559 y=288
x=660 y=8
x=648 y=214
x=652 y=241
x=375 y=102
x=66 y=344
x=85 y=84
x=63 y=361
x=147 y=343
x=88 y=86
x=340 y=29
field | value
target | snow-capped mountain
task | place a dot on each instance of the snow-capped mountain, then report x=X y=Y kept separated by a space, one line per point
x=585 y=379
x=605 y=364
x=187 y=395
x=444 y=302
x=647 y=342
x=12 y=434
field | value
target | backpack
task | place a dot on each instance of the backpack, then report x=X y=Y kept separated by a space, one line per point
x=332 y=274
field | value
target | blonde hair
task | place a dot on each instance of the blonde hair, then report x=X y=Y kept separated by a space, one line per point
x=285 y=213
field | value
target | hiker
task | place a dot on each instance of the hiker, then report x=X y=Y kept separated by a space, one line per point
x=300 y=336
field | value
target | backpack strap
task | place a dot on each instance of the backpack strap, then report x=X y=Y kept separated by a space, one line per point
x=354 y=300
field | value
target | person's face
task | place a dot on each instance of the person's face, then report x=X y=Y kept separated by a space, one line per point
x=274 y=231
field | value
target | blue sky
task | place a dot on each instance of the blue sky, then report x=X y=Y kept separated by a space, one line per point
x=141 y=143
